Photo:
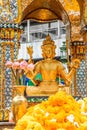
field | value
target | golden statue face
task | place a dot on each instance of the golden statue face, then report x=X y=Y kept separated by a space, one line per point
x=48 y=51
x=48 y=47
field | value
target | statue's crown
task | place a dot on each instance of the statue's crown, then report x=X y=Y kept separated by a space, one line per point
x=48 y=41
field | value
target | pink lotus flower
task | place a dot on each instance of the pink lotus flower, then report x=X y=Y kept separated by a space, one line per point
x=8 y=64
x=19 y=69
x=15 y=65
x=23 y=65
x=30 y=66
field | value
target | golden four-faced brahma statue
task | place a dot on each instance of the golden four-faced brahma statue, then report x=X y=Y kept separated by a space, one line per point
x=50 y=69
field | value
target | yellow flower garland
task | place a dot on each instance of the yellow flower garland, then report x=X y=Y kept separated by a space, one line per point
x=59 y=112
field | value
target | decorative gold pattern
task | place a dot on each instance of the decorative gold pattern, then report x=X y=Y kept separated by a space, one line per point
x=3 y=77
x=4 y=114
x=6 y=11
x=18 y=19
x=75 y=28
x=7 y=36
x=77 y=50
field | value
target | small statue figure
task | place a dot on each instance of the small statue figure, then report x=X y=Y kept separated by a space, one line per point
x=50 y=68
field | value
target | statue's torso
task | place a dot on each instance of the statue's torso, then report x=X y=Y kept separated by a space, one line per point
x=48 y=69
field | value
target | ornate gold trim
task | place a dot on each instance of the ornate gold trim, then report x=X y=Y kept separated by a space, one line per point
x=18 y=20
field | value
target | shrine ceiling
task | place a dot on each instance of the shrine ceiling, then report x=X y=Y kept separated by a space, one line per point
x=68 y=11
x=46 y=10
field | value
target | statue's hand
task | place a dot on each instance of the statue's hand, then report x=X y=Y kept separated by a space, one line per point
x=68 y=82
x=76 y=63
x=29 y=74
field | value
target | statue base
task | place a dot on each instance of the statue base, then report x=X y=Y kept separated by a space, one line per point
x=37 y=91
x=46 y=90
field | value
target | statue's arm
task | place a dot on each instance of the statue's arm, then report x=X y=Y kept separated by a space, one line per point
x=64 y=75
x=74 y=66
x=68 y=76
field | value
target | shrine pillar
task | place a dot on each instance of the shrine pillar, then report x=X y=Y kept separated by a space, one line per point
x=84 y=32
x=77 y=50
x=9 y=46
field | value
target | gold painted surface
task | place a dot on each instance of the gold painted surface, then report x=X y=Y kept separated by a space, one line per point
x=18 y=19
x=25 y=3
x=44 y=8
x=19 y=103
x=78 y=51
x=81 y=5
x=4 y=115
x=76 y=31
x=42 y=15
x=50 y=69
x=70 y=5
x=85 y=36
x=30 y=52
x=2 y=105
x=73 y=9
x=85 y=14
x=75 y=28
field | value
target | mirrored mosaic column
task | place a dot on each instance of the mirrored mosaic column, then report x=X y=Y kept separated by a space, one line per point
x=79 y=82
x=84 y=32
x=10 y=42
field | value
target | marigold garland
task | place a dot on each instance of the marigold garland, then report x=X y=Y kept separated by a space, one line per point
x=60 y=112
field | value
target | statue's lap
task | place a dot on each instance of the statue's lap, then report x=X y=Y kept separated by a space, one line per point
x=45 y=90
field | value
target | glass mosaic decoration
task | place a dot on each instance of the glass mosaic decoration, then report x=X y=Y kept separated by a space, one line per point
x=9 y=11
